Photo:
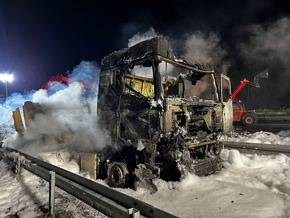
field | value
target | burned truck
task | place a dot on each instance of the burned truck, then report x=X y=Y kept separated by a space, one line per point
x=163 y=114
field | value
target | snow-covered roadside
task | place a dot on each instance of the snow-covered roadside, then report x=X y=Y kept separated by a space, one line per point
x=248 y=186
x=282 y=137
x=29 y=197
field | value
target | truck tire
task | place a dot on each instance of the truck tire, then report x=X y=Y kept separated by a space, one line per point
x=249 y=119
x=118 y=174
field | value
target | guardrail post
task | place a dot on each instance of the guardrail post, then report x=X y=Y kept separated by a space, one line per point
x=96 y=195
x=133 y=213
x=51 y=194
x=18 y=168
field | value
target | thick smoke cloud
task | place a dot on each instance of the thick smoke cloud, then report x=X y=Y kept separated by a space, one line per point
x=13 y=101
x=268 y=47
x=196 y=47
x=240 y=39
x=69 y=121
x=86 y=71
x=268 y=42
x=202 y=48
x=257 y=46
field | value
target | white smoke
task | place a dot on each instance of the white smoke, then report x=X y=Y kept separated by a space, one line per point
x=147 y=71
x=86 y=71
x=198 y=47
x=202 y=48
x=268 y=41
x=69 y=122
x=268 y=47
x=12 y=102
x=268 y=44
x=139 y=37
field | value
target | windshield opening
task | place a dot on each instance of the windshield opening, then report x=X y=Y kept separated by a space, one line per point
x=139 y=81
x=184 y=83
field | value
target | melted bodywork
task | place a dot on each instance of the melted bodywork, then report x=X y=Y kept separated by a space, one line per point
x=163 y=114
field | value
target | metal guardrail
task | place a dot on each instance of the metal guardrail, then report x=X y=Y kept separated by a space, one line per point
x=258 y=148
x=273 y=112
x=106 y=200
x=273 y=115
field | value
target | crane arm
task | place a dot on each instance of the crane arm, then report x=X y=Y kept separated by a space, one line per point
x=241 y=86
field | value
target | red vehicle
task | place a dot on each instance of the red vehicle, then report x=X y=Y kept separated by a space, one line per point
x=54 y=81
x=59 y=82
x=240 y=114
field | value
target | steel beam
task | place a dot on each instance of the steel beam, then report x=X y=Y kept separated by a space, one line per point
x=259 y=148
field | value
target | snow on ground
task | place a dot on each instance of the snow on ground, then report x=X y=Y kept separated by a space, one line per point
x=29 y=197
x=282 y=137
x=248 y=186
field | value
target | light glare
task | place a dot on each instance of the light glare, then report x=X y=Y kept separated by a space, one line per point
x=5 y=77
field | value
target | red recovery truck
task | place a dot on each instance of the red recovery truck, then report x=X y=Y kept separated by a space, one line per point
x=58 y=79
x=58 y=82
x=240 y=114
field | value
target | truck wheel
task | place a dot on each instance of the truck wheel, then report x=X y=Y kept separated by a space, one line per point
x=118 y=174
x=249 y=119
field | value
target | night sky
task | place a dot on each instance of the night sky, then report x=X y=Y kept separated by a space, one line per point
x=41 y=38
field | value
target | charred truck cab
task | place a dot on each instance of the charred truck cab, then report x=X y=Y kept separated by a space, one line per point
x=163 y=114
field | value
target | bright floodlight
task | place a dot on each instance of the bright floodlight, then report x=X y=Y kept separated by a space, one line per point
x=5 y=77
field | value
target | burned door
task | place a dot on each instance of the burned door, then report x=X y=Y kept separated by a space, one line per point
x=227 y=103
x=138 y=119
